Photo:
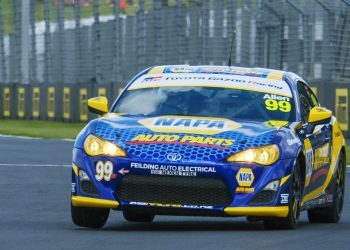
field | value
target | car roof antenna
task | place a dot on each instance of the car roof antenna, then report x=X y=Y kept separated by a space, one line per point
x=233 y=38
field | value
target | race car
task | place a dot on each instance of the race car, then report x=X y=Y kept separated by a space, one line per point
x=210 y=141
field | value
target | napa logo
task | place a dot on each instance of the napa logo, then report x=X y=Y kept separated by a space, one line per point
x=189 y=124
x=245 y=177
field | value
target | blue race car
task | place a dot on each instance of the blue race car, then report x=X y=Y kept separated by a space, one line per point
x=210 y=141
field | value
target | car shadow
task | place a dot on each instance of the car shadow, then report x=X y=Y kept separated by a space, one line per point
x=190 y=226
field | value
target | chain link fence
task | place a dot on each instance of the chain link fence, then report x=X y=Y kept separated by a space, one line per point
x=55 y=54
x=107 y=41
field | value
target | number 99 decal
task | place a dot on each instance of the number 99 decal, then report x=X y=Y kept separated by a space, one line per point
x=283 y=106
x=104 y=170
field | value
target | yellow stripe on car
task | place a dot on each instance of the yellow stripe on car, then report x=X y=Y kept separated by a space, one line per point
x=277 y=75
x=309 y=160
x=75 y=169
x=337 y=143
x=284 y=179
x=258 y=211
x=80 y=201
x=156 y=70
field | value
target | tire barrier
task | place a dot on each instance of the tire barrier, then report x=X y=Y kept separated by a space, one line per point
x=6 y=102
x=35 y=106
x=342 y=108
x=51 y=102
x=68 y=102
x=55 y=102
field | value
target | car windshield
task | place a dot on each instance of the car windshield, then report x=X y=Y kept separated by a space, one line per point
x=208 y=102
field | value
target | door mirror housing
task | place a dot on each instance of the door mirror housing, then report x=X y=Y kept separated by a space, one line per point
x=319 y=115
x=98 y=105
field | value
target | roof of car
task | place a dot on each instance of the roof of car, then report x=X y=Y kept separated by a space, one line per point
x=213 y=69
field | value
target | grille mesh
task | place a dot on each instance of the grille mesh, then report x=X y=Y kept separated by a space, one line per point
x=263 y=197
x=87 y=187
x=174 y=190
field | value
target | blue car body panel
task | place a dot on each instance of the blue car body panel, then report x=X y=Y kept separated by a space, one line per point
x=149 y=157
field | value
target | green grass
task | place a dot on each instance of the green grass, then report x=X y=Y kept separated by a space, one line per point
x=45 y=129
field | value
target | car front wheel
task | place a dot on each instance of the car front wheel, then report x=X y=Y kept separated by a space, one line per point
x=89 y=217
x=295 y=194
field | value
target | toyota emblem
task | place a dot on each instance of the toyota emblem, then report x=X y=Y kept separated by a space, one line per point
x=174 y=157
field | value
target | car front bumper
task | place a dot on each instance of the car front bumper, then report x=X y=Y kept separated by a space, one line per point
x=240 y=206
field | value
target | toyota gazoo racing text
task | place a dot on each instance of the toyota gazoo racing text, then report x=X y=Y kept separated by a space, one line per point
x=210 y=141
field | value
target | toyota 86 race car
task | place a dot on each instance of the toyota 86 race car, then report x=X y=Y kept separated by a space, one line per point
x=210 y=141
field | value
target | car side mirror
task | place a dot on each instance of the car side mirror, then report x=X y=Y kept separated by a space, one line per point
x=318 y=116
x=98 y=105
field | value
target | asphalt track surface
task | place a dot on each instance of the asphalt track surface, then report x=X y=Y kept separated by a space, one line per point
x=35 y=214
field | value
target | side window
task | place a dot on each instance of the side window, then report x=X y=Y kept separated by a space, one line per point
x=308 y=100
x=313 y=99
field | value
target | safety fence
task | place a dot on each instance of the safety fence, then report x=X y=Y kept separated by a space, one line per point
x=68 y=102
x=102 y=41
x=54 y=54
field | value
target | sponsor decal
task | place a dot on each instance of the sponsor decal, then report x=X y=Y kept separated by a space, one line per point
x=322 y=156
x=104 y=171
x=234 y=71
x=264 y=85
x=320 y=201
x=284 y=198
x=180 y=70
x=174 y=157
x=276 y=97
x=153 y=204
x=181 y=139
x=245 y=177
x=184 y=124
x=275 y=123
x=292 y=141
x=244 y=190
x=123 y=171
x=318 y=173
x=169 y=205
x=309 y=160
x=162 y=169
x=73 y=187
x=216 y=70
x=152 y=79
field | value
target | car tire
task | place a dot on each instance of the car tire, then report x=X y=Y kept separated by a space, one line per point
x=295 y=194
x=331 y=214
x=133 y=216
x=89 y=217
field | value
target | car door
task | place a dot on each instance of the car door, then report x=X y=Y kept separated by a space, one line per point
x=317 y=142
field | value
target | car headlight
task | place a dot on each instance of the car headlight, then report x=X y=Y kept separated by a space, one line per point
x=95 y=146
x=266 y=155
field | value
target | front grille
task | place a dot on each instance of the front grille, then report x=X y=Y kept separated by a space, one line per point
x=263 y=197
x=88 y=188
x=174 y=190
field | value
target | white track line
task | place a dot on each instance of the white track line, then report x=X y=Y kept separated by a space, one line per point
x=34 y=165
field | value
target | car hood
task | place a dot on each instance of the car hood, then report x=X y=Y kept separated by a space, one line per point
x=183 y=138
